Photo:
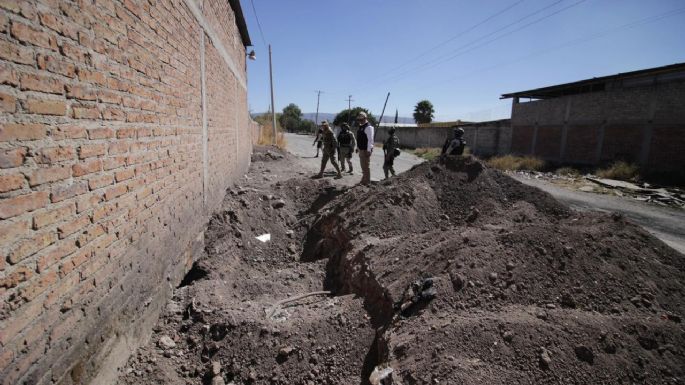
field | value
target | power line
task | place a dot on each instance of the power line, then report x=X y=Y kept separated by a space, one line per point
x=259 y=25
x=460 y=34
x=441 y=59
x=579 y=40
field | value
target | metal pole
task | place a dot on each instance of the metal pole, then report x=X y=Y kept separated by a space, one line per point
x=316 y=118
x=273 y=106
x=383 y=112
x=349 y=110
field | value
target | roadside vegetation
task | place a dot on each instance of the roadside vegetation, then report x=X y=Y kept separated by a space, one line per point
x=266 y=133
x=516 y=163
x=568 y=171
x=427 y=153
x=620 y=170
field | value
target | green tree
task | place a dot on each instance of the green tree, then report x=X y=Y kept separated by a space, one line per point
x=307 y=125
x=291 y=118
x=349 y=116
x=423 y=112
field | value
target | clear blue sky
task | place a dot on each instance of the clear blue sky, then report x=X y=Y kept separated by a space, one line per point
x=459 y=54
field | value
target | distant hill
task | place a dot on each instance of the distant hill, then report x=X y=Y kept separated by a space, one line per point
x=330 y=117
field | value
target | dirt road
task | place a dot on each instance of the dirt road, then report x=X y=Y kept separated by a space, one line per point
x=667 y=224
x=301 y=146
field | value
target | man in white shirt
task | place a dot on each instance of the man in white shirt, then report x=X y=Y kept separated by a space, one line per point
x=364 y=146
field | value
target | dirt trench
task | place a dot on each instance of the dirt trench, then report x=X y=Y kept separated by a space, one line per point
x=446 y=274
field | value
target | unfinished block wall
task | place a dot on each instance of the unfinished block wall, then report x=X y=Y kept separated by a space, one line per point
x=122 y=124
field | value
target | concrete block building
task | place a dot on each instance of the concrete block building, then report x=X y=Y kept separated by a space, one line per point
x=635 y=116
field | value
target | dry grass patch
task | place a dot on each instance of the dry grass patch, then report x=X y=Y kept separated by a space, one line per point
x=568 y=171
x=266 y=135
x=427 y=153
x=620 y=170
x=515 y=163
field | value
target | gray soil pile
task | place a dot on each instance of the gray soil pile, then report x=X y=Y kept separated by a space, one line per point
x=449 y=274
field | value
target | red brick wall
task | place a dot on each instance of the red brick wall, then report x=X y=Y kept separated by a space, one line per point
x=548 y=143
x=102 y=201
x=622 y=142
x=630 y=116
x=522 y=139
x=581 y=143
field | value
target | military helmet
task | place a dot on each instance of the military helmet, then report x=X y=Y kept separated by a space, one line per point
x=392 y=130
x=458 y=131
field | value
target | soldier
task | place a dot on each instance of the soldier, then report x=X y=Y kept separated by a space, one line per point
x=346 y=145
x=329 y=147
x=317 y=140
x=391 y=149
x=455 y=145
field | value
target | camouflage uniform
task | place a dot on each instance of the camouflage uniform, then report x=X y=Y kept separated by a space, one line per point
x=330 y=144
x=392 y=143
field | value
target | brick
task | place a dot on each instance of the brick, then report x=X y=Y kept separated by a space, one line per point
x=100 y=133
x=124 y=175
x=71 y=227
x=126 y=133
x=19 y=275
x=11 y=182
x=22 y=131
x=91 y=150
x=16 y=53
x=54 y=154
x=94 y=77
x=32 y=245
x=11 y=207
x=80 y=92
x=65 y=285
x=111 y=113
x=41 y=83
x=68 y=132
x=85 y=168
x=88 y=202
x=103 y=211
x=54 y=65
x=74 y=261
x=30 y=35
x=61 y=193
x=73 y=52
x=12 y=158
x=8 y=103
x=13 y=231
x=90 y=234
x=115 y=191
x=38 y=285
x=50 y=21
x=53 y=215
x=47 y=175
x=8 y=75
x=86 y=113
x=100 y=181
x=6 y=357
x=113 y=162
x=55 y=254
x=19 y=321
x=109 y=97
x=46 y=107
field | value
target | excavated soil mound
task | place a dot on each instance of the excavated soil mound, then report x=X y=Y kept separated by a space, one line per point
x=473 y=278
x=446 y=274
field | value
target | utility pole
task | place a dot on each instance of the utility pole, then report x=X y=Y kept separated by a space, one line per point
x=318 y=96
x=273 y=106
x=349 y=109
